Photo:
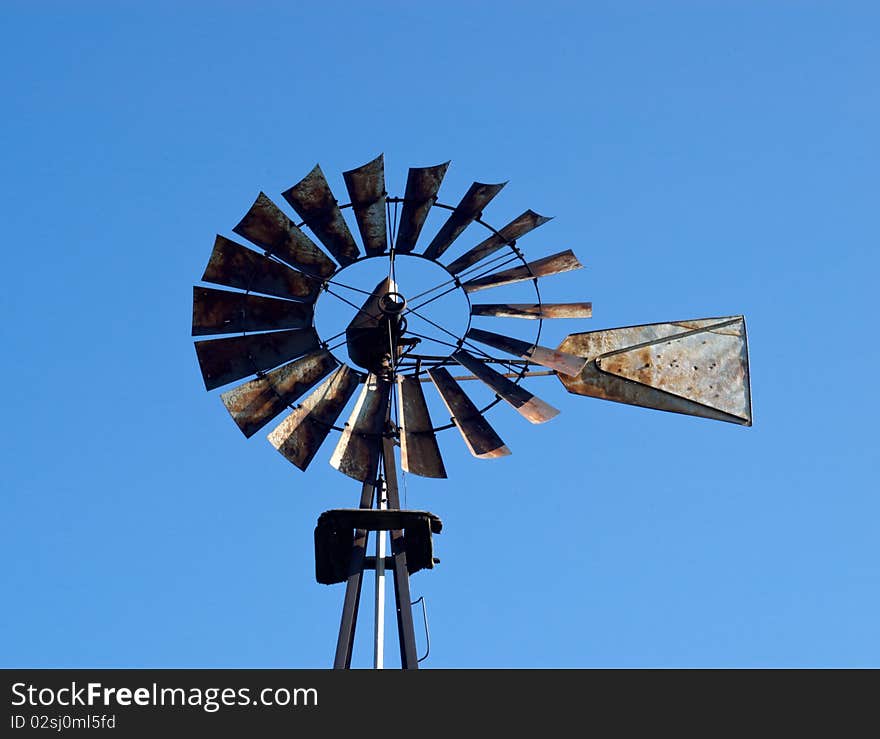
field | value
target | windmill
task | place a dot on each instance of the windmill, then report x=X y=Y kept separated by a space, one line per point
x=697 y=367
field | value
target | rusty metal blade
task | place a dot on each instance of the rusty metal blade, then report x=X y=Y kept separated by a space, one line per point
x=313 y=201
x=299 y=436
x=527 y=405
x=519 y=226
x=479 y=436
x=233 y=265
x=224 y=312
x=225 y=360
x=366 y=188
x=563 y=362
x=422 y=185
x=257 y=402
x=266 y=225
x=533 y=310
x=698 y=367
x=564 y=261
x=357 y=445
x=419 y=452
x=478 y=196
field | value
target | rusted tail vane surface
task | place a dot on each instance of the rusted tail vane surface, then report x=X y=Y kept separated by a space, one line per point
x=698 y=367
x=533 y=310
x=299 y=436
x=313 y=201
x=527 y=405
x=224 y=312
x=257 y=402
x=563 y=362
x=226 y=360
x=478 y=196
x=419 y=452
x=366 y=188
x=266 y=225
x=422 y=185
x=356 y=447
x=479 y=436
x=555 y=264
x=234 y=265
x=519 y=226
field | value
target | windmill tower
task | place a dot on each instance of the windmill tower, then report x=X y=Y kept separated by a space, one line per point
x=697 y=367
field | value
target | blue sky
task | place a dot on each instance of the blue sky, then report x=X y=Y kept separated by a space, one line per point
x=701 y=158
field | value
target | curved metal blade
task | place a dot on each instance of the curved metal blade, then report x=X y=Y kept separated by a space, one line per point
x=299 y=436
x=225 y=360
x=419 y=452
x=519 y=226
x=257 y=402
x=233 y=265
x=478 y=196
x=313 y=201
x=527 y=405
x=266 y=225
x=698 y=367
x=567 y=364
x=224 y=312
x=533 y=310
x=564 y=261
x=422 y=185
x=479 y=436
x=366 y=188
x=363 y=432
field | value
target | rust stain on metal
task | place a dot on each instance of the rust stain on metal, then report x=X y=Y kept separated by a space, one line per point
x=563 y=362
x=266 y=225
x=478 y=196
x=366 y=188
x=225 y=360
x=422 y=185
x=478 y=435
x=356 y=448
x=519 y=226
x=299 y=436
x=233 y=265
x=419 y=452
x=255 y=403
x=527 y=405
x=697 y=367
x=533 y=310
x=224 y=312
x=313 y=201
x=564 y=261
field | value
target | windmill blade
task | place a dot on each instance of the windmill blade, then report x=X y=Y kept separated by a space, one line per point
x=527 y=405
x=479 y=436
x=224 y=312
x=564 y=261
x=357 y=445
x=563 y=362
x=266 y=225
x=419 y=452
x=313 y=201
x=233 y=265
x=299 y=436
x=225 y=360
x=533 y=310
x=698 y=367
x=478 y=196
x=366 y=188
x=519 y=226
x=255 y=403
x=422 y=185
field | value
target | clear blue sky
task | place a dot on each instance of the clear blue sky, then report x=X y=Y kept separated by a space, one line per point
x=701 y=158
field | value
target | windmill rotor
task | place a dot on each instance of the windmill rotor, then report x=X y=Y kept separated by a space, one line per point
x=262 y=301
